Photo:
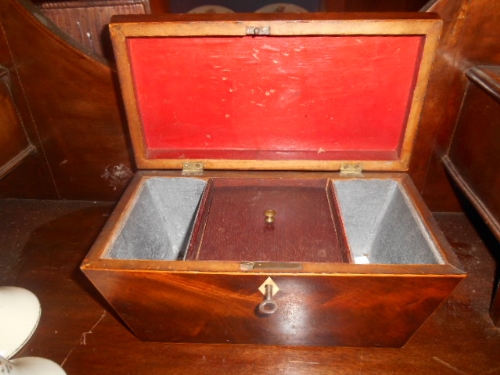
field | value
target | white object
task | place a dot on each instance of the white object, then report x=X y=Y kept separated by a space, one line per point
x=19 y=316
x=30 y=366
x=210 y=9
x=281 y=8
x=361 y=260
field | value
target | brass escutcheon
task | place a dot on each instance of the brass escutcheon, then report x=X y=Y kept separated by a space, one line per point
x=269 y=216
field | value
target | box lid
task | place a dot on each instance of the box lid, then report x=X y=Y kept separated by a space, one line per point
x=254 y=91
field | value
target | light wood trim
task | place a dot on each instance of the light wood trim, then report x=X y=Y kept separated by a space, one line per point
x=483 y=210
x=307 y=269
x=118 y=40
x=16 y=160
x=487 y=78
x=96 y=257
x=270 y=165
x=278 y=27
x=431 y=42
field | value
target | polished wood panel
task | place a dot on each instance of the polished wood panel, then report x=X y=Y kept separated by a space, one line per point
x=215 y=301
x=306 y=224
x=40 y=183
x=14 y=143
x=73 y=109
x=313 y=310
x=87 y=21
x=475 y=152
x=79 y=331
x=470 y=37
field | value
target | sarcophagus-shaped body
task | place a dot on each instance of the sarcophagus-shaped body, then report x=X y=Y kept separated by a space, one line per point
x=271 y=205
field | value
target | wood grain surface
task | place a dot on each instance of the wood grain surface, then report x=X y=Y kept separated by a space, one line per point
x=470 y=37
x=306 y=228
x=81 y=332
x=70 y=105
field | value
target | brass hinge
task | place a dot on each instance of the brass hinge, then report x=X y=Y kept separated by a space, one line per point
x=192 y=168
x=351 y=170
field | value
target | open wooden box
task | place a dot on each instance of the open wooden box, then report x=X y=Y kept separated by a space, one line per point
x=312 y=116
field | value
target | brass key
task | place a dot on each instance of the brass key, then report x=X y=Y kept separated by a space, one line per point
x=269 y=305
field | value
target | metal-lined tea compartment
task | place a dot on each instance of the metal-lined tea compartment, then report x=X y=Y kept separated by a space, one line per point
x=380 y=223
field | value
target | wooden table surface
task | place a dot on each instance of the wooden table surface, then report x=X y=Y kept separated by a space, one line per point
x=43 y=242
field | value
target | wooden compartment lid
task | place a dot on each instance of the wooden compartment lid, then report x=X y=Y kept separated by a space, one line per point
x=257 y=92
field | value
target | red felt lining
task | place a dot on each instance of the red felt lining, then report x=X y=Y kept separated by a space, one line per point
x=274 y=98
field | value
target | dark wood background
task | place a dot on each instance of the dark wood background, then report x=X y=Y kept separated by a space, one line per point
x=70 y=104
x=41 y=249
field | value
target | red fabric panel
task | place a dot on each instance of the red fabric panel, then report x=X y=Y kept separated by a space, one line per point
x=304 y=97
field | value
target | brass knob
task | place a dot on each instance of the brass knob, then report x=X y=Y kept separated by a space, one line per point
x=269 y=216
